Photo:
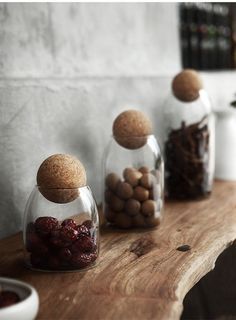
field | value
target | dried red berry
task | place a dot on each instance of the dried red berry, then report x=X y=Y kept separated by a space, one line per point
x=68 y=234
x=45 y=225
x=88 y=224
x=83 y=244
x=8 y=298
x=69 y=223
x=82 y=260
x=65 y=254
x=35 y=244
x=82 y=229
x=56 y=241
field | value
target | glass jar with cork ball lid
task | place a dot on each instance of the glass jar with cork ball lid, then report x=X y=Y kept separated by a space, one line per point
x=61 y=219
x=189 y=138
x=133 y=174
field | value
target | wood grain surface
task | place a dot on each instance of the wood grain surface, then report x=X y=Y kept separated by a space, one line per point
x=140 y=274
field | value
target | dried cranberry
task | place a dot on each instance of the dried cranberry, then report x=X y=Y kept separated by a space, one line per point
x=88 y=224
x=35 y=244
x=83 y=244
x=82 y=260
x=8 y=298
x=68 y=234
x=69 y=223
x=65 y=254
x=56 y=241
x=82 y=229
x=45 y=225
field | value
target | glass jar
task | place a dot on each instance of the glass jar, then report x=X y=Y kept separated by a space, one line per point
x=61 y=236
x=133 y=183
x=189 y=147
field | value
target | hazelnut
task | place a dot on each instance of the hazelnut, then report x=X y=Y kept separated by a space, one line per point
x=144 y=169
x=186 y=85
x=140 y=193
x=153 y=221
x=112 y=180
x=124 y=190
x=109 y=214
x=139 y=221
x=131 y=128
x=108 y=195
x=132 y=207
x=148 y=208
x=122 y=220
x=147 y=180
x=132 y=176
x=116 y=203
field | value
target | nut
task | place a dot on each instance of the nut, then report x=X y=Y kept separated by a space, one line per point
x=186 y=85
x=131 y=128
x=147 y=180
x=140 y=193
x=112 y=180
x=108 y=196
x=144 y=169
x=110 y=215
x=153 y=221
x=148 y=208
x=122 y=220
x=132 y=207
x=139 y=221
x=132 y=176
x=124 y=190
x=116 y=203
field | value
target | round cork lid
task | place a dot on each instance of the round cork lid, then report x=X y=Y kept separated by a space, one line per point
x=61 y=171
x=186 y=85
x=131 y=128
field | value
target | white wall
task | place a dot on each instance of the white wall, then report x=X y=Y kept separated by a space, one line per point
x=66 y=70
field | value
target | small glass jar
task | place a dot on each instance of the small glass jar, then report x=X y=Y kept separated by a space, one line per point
x=189 y=147
x=61 y=236
x=133 y=183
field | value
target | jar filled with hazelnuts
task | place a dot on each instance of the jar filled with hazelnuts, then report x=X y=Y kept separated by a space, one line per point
x=61 y=218
x=189 y=139
x=133 y=173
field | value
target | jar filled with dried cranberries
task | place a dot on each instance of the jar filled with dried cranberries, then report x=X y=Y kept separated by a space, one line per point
x=189 y=139
x=133 y=174
x=61 y=224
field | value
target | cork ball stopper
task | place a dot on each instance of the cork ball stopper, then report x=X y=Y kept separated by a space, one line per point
x=61 y=171
x=131 y=128
x=186 y=85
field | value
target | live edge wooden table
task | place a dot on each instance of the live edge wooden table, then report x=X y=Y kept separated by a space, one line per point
x=140 y=274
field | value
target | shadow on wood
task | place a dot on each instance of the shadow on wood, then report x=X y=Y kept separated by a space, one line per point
x=214 y=296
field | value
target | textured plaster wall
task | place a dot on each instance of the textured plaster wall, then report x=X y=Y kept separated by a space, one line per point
x=66 y=70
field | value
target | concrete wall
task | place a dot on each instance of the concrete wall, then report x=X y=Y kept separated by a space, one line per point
x=66 y=70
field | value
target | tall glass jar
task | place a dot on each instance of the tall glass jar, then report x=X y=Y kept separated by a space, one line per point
x=133 y=182
x=189 y=147
x=61 y=234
